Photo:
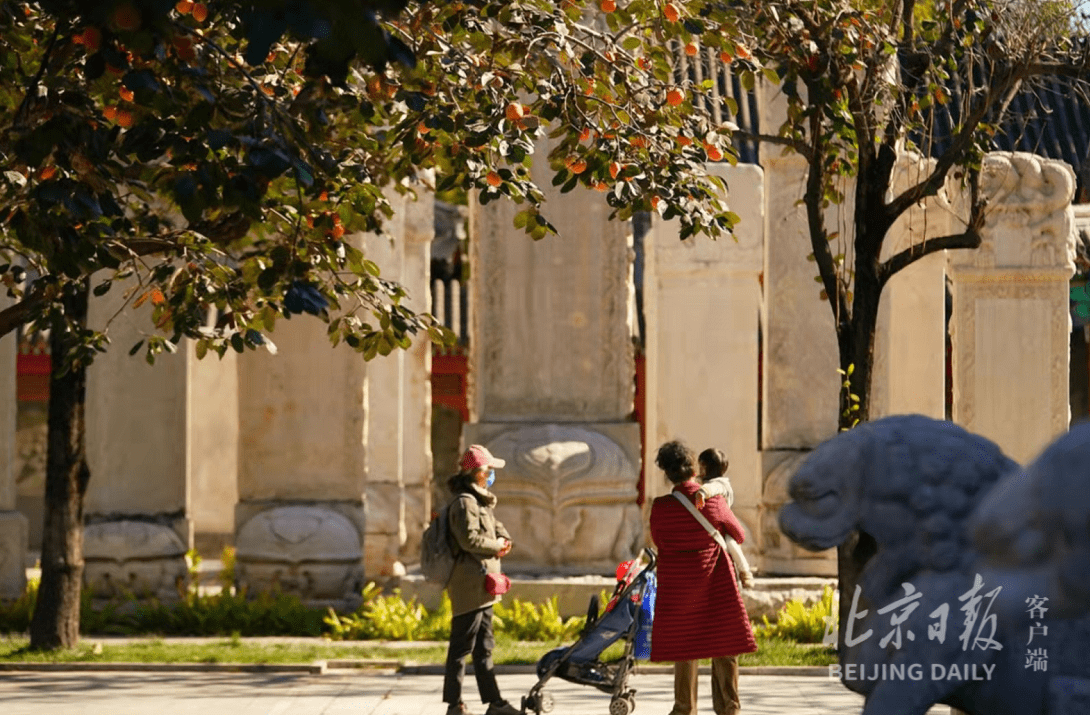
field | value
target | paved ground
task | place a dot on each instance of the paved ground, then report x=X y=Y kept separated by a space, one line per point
x=373 y=693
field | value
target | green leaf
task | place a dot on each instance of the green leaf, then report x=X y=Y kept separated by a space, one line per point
x=201 y=349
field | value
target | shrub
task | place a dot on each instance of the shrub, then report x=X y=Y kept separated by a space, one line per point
x=526 y=622
x=226 y=613
x=390 y=618
x=799 y=622
x=227 y=573
x=380 y=617
x=15 y=617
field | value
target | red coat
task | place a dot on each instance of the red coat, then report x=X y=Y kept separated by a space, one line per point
x=699 y=611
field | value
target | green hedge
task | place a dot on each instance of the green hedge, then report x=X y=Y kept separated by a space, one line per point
x=380 y=617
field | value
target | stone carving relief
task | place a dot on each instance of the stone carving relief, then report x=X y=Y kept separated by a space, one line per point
x=568 y=497
x=134 y=558
x=947 y=517
x=313 y=552
x=1030 y=222
x=780 y=554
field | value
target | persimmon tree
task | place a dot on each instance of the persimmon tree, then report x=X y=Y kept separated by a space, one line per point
x=865 y=82
x=215 y=159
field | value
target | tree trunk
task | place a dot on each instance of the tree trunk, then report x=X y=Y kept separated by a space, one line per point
x=856 y=356
x=56 y=615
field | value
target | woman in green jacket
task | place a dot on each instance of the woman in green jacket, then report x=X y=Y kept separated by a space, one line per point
x=479 y=541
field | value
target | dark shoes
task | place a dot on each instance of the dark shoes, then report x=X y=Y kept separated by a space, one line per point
x=459 y=709
x=502 y=707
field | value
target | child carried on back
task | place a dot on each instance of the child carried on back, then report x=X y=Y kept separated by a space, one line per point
x=713 y=470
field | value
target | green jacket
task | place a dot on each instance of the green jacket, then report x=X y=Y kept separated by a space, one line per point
x=478 y=536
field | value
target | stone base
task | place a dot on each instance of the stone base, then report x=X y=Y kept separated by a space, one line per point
x=13 y=547
x=567 y=494
x=381 y=557
x=312 y=551
x=136 y=558
x=779 y=555
x=210 y=544
x=573 y=593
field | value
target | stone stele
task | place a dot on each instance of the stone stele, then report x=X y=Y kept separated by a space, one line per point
x=313 y=552
x=974 y=593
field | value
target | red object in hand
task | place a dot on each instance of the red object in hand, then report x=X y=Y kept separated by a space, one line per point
x=496 y=584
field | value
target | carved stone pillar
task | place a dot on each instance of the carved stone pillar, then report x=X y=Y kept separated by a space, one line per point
x=416 y=464
x=1011 y=323
x=138 y=523
x=702 y=304
x=13 y=525
x=385 y=490
x=800 y=385
x=302 y=466
x=909 y=374
x=213 y=435
x=552 y=381
x=398 y=491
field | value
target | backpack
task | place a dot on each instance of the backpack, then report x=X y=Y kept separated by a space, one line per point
x=437 y=555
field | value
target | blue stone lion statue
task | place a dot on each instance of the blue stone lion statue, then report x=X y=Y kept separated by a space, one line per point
x=964 y=577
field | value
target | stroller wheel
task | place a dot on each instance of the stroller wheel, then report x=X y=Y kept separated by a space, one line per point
x=620 y=706
x=540 y=702
x=631 y=699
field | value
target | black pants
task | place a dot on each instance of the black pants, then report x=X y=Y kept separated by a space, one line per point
x=471 y=633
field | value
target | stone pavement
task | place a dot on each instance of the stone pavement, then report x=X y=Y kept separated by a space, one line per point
x=374 y=693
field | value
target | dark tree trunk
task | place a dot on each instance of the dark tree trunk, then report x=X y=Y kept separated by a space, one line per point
x=857 y=353
x=56 y=615
x=856 y=344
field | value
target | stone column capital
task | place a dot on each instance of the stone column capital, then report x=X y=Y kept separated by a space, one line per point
x=1030 y=222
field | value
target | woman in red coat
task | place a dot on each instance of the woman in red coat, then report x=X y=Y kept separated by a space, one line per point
x=698 y=609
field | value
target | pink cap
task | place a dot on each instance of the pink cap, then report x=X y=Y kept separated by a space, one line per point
x=477 y=456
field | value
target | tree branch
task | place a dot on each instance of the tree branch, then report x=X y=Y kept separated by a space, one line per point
x=1006 y=84
x=21 y=313
x=815 y=183
x=969 y=239
x=800 y=147
x=1058 y=69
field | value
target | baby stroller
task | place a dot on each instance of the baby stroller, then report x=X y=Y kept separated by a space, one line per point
x=580 y=662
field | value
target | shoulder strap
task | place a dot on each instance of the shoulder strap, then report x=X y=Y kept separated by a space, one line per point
x=712 y=531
